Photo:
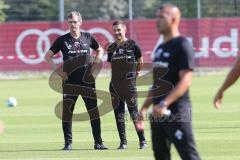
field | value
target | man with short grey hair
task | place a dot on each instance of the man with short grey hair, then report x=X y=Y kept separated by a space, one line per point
x=75 y=47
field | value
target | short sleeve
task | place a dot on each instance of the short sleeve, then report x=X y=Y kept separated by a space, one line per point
x=111 y=48
x=138 y=52
x=109 y=57
x=56 y=46
x=186 y=58
x=93 y=43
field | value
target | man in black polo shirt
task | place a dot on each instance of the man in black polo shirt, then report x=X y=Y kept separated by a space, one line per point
x=75 y=47
x=126 y=61
x=175 y=54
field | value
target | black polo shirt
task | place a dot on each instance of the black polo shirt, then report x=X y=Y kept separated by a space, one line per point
x=123 y=59
x=175 y=55
x=76 y=52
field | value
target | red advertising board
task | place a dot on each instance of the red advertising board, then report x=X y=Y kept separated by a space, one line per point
x=23 y=45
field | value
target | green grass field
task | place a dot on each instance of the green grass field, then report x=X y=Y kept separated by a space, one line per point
x=32 y=130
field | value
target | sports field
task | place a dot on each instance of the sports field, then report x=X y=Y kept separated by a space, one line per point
x=32 y=130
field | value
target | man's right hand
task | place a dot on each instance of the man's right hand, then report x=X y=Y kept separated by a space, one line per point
x=63 y=75
x=140 y=122
x=140 y=125
x=218 y=100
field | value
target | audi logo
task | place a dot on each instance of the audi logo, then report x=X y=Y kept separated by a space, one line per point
x=43 y=38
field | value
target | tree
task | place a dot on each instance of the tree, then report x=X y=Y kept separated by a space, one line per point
x=88 y=8
x=98 y=9
x=220 y=8
x=3 y=6
x=47 y=10
x=111 y=9
x=188 y=8
x=32 y=10
x=145 y=8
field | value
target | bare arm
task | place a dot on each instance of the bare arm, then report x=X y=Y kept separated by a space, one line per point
x=139 y=65
x=146 y=104
x=182 y=86
x=49 y=59
x=143 y=112
x=99 y=53
x=231 y=78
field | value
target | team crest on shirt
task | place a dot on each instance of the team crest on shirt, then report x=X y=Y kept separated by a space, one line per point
x=76 y=45
x=120 y=51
